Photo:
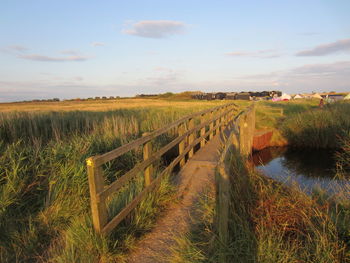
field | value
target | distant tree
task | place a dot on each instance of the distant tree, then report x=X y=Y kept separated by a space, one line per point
x=104 y=97
x=97 y=98
x=111 y=97
x=55 y=99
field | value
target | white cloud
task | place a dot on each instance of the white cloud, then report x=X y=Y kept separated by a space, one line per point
x=266 y=53
x=98 y=44
x=342 y=45
x=37 y=57
x=156 y=28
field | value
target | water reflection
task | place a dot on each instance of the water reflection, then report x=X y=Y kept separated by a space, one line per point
x=310 y=169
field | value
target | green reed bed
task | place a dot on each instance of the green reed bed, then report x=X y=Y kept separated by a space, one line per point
x=320 y=128
x=44 y=195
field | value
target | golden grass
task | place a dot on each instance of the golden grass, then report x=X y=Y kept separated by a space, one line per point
x=104 y=105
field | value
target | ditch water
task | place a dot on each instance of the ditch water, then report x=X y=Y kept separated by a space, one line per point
x=309 y=169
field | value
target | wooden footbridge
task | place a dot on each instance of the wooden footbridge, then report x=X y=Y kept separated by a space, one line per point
x=200 y=139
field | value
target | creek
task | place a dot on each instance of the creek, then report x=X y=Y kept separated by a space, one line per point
x=310 y=169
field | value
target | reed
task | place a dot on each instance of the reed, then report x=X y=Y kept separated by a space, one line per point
x=44 y=195
x=272 y=223
x=321 y=128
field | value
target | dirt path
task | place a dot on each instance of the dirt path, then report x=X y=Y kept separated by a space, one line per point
x=194 y=178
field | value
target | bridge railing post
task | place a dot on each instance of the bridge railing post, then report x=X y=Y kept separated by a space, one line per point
x=217 y=122
x=211 y=125
x=191 y=137
x=181 y=131
x=96 y=185
x=147 y=152
x=202 y=132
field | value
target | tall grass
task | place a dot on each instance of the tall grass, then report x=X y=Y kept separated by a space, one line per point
x=44 y=196
x=321 y=128
x=272 y=223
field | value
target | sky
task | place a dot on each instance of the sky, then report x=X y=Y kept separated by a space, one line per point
x=87 y=48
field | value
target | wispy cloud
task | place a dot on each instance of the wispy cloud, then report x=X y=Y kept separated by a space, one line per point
x=70 y=52
x=156 y=28
x=266 y=53
x=308 y=34
x=98 y=44
x=336 y=68
x=17 y=48
x=342 y=45
x=37 y=57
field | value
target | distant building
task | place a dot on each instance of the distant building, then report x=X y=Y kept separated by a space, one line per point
x=220 y=96
x=243 y=96
x=231 y=95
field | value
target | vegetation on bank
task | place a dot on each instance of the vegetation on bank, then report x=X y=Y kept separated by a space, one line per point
x=272 y=223
x=44 y=195
x=321 y=128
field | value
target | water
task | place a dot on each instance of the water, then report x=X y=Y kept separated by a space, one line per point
x=309 y=169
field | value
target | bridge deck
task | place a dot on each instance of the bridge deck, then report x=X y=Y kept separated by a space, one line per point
x=197 y=176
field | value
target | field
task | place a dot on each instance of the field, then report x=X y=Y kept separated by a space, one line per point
x=44 y=195
x=44 y=200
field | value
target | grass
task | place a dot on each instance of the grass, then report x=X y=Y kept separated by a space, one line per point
x=271 y=115
x=198 y=245
x=322 y=128
x=272 y=223
x=44 y=195
x=107 y=105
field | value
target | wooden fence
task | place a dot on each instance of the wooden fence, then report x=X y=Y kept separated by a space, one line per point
x=240 y=138
x=189 y=135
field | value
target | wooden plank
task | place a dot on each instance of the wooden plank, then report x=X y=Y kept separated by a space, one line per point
x=101 y=159
x=96 y=184
x=127 y=209
x=147 y=152
x=121 y=181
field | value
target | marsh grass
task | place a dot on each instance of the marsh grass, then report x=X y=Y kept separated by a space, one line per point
x=272 y=223
x=44 y=195
x=321 y=128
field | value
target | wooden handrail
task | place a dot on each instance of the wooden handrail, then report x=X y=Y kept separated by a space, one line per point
x=101 y=159
x=186 y=141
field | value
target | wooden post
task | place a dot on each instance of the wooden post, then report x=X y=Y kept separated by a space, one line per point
x=202 y=132
x=211 y=126
x=223 y=119
x=147 y=152
x=218 y=121
x=242 y=133
x=191 y=137
x=181 y=131
x=223 y=209
x=96 y=185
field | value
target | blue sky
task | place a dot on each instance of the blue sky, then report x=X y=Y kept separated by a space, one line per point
x=71 y=49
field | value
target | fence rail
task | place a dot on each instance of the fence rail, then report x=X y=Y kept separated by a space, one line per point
x=211 y=122
x=241 y=139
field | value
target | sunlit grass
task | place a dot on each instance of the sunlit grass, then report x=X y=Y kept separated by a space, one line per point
x=44 y=195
